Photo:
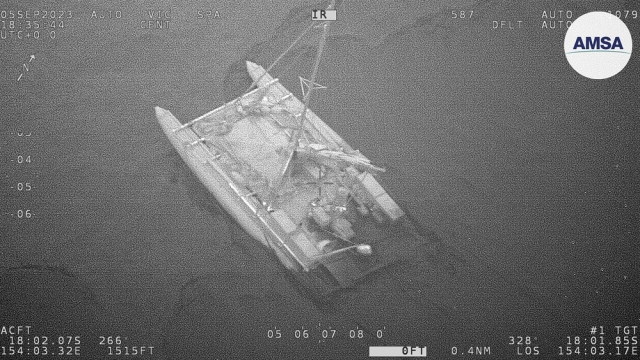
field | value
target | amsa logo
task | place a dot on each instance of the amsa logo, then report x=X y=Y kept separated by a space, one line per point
x=598 y=45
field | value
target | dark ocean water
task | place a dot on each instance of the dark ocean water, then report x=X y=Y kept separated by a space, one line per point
x=524 y=170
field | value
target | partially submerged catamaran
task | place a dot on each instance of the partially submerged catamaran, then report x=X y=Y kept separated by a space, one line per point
x=294 y=184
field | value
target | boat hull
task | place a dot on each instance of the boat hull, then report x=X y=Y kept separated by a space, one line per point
x=210 y=178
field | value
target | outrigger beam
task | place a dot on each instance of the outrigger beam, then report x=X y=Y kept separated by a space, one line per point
x=190 y=123
x=197 y=141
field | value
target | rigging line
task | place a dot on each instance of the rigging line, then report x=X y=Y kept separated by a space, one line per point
x=292 y=62
x=316 y=65
x=279 y=58
x=295 y=136
x=307 y=98
x=312 y=81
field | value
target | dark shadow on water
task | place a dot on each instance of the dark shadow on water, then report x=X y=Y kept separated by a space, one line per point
x=236 y=80
x=198 y=194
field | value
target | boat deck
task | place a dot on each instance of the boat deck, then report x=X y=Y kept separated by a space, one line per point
x=259 y=143
x=313 y=218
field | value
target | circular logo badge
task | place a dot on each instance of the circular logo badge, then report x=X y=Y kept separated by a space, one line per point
x=598 y=45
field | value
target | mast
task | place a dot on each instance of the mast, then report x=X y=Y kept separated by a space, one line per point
x=323 y=40
x=279 y=58
x=320 y=47
x=315 y=69
x=293 y=142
